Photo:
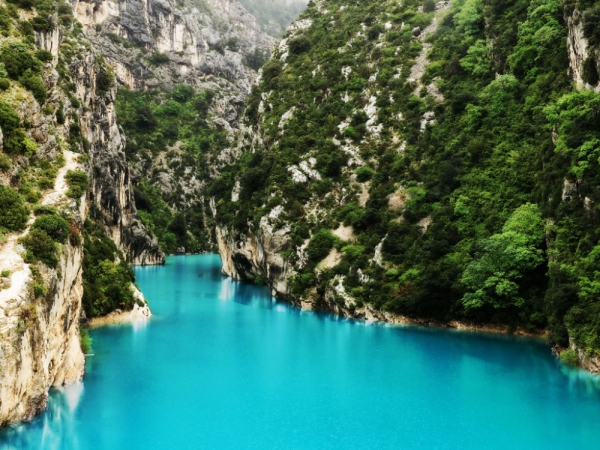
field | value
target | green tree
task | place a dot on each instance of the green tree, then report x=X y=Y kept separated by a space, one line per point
x=13 y=212
x=492 y=278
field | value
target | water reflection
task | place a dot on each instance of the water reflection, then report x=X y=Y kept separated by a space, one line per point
x=52 y=430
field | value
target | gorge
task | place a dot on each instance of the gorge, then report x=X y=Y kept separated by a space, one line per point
x=403 y=162
x=224 y=365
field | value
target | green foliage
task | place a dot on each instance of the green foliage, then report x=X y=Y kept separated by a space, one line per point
x=156 y=121
x=320 y=245
x=85 y=341
x=569 y=357
x=78 y=183
x=17 y=59
x=35 y=84
x=105 y=79
x=13 y=212
x=54 y=225
x=107 y=279
x=40 y=247
x=299 y=45
x=364 y=174
x=158 y=59
x=590 y=70
x=256 y=59
x=504 y=259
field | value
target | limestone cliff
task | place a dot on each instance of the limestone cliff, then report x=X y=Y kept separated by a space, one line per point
x=63 y=125
x=160 y=43
x=584 y=56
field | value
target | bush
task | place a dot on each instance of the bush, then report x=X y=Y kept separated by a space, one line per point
x=9 y=119
x=182 y=93
x=13 y=212
x=78 y=182
x=105 y=80
x=569 y=357
x=85 y=341
x=4 y=162
x=35 y=84
x=43 y=55
x=4 y=84
x=429 y=5
x=590 y=70
x=40 y=246
x=54 y=225
x=320 y=245
x=299 y=45
x=158 y=59
x=18 y=59
x=364 y=174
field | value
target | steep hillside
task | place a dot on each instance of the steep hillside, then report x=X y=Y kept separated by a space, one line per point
x=65 y=189
x=435 y=161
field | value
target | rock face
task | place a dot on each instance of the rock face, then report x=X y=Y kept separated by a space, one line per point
x=40 y=306
x=39 y=345
x=111 y=190
x=159 y=43
x=580 y=50
x=256 y=257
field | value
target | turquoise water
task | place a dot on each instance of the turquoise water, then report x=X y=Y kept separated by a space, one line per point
x=224 y=366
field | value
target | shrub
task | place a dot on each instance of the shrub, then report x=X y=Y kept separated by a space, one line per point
x=78 y=182
x=35 y=84
x=364 y=174
x=18 y=59
x=4 y=162
x=299 y=45
x=40 y=247
x=182 y=93
x=272 y=69
x=105 y=80
x=43 y=55
x=39 y=210
x=42 y=24
x=4 y=84
x=429 y=5
x=9 y=119
x=85 y=341
x=158 y=59
x=13 y=212
x=590 y=70
x=569 y=357
x=320 y=245
x=54 y=225
x=60 y=115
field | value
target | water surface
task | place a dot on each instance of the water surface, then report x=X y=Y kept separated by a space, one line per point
x=222 y=365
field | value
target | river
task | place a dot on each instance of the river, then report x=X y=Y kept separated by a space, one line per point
x=222 y=365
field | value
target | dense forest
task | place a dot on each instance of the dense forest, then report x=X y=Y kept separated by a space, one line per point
x=453 y=141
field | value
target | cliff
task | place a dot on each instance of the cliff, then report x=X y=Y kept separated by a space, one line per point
x=396 y=160
x=62 y=161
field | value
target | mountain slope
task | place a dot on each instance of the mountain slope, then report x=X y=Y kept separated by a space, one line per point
x=428 y=160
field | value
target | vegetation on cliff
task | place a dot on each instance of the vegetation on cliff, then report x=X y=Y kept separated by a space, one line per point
x=452 y=141
x=169 y=134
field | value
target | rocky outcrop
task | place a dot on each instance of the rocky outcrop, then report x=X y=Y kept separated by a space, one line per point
x=159 y=43
x=39 y=345
x=587 y=361
x=579 y=50
x=257 y=257
x=111 y=191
